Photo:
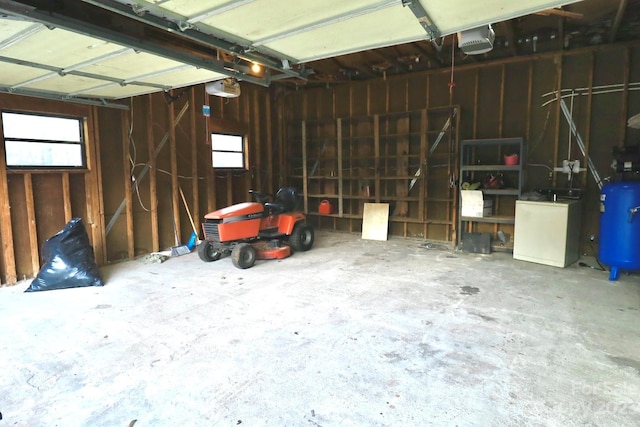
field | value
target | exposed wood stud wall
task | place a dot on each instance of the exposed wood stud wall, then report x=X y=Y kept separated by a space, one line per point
x=255 y=144
x=6 y=233
x=305 y=176
x=529 y=102
x=625 y=97
x=558 y=115
x=94 y=190
x=476 y=88
x=211 y=177
x=153 y=192
x=127 y=182
x=245 y=115
x=66 y=196
x=175 y=203
x=502 y=98
x=31 y=221
x=184 y=156
x=423 y=164
x=426 y=171
x=587 y=133
x=268 y=134
x=193 y=137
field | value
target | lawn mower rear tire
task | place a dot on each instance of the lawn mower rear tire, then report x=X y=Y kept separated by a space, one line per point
x=243 y=255
x=301 y=238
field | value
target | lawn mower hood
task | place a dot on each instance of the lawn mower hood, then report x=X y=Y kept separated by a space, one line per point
x=239 y=212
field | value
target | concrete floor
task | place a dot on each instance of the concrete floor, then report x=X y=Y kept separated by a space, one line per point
x=354 y=333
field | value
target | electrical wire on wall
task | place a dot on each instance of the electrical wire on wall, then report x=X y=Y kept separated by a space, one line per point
x=546 y=120
x=134 y=164
x=133 y=159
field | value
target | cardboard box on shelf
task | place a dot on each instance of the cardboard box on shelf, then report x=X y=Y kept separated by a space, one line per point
x=474 y=205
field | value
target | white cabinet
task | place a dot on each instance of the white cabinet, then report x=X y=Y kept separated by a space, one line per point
x=547 y=232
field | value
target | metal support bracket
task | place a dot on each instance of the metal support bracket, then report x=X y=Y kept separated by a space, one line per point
x=423 y=17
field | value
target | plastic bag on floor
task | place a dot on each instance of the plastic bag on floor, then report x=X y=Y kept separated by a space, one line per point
x=68 y=261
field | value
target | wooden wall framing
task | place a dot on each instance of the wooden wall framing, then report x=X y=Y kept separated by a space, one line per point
x=166 y=134
x=500 y=99
x=504 y=98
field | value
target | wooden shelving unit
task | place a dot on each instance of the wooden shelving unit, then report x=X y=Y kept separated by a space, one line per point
x=406 y=159
x=482 y=157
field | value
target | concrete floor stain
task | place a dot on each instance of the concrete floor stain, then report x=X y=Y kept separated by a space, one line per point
x=625 y=362
x=469 y=290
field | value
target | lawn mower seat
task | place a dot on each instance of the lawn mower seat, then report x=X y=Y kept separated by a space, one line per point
x=286 y=200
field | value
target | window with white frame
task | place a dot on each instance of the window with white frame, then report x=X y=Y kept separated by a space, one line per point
x=227 y=151
x=43 y=141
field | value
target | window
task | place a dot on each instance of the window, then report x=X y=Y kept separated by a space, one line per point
x=227 y=151
x=43 y=141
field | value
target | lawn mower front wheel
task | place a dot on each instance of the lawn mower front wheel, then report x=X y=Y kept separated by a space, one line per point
x=207 y=252
x=243 y=255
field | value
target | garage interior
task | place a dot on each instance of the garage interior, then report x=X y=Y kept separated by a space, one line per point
x=353 y=104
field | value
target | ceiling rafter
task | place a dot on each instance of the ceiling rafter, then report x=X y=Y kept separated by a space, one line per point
x=393 y=60
x=622 y=6
x=430 y=52
x=508 y=29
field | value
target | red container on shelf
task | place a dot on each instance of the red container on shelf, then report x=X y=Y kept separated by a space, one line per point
x=325 y=208
x=511 y=160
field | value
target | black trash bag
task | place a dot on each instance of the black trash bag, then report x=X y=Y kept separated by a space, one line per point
x=68 y=261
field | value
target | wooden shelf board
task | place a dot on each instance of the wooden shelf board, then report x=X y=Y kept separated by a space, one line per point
x=496 y=219
x=502 y=191
x=357 y=197
x=489 y=168
x=323 y=196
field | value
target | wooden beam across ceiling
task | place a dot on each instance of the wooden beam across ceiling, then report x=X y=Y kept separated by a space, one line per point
x=622 y=6
x=507 y=28
x=561 y=12
x=427 y=49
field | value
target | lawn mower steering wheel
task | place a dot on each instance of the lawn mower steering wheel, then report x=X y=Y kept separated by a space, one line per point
x=259 y=197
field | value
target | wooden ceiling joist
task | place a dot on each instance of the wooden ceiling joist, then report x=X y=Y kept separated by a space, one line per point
x=622 y=6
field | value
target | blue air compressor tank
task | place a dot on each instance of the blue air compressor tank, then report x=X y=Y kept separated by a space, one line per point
x=619 y=245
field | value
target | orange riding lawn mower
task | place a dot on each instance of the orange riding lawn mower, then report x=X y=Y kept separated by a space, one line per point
x=256 y=230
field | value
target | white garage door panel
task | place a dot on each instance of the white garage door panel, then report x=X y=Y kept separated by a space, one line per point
x=66 y=84
x=177 y=78
x=302 y=29
x=14 y=74
x=383 y=28
x=264 y=18
x=190 y=8
x=132 y=65
x=118 y=92
x=452 y=16
x=8 y=28
x=59 y=48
